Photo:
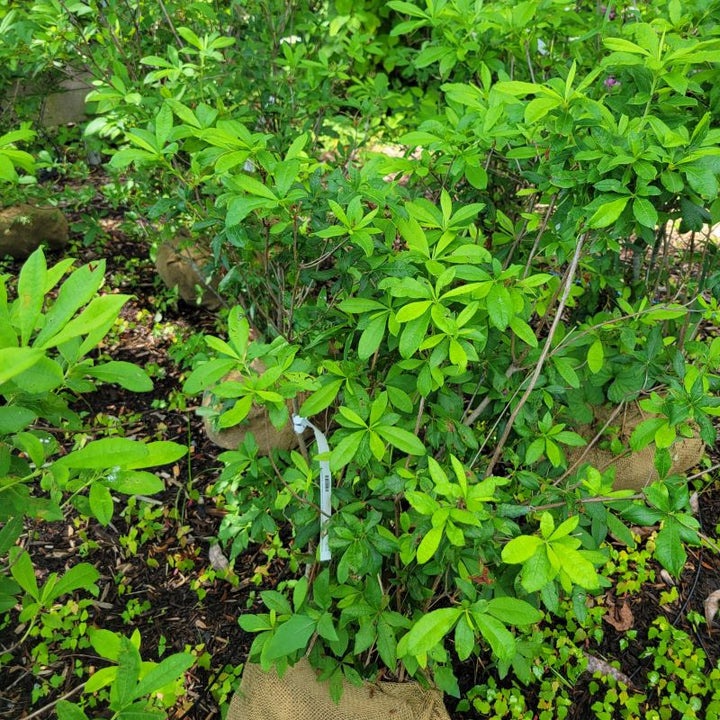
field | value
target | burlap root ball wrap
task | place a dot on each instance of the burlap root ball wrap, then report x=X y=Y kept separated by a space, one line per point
x=299 y=696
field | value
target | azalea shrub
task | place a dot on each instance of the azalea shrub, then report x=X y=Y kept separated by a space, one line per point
x=450 y=234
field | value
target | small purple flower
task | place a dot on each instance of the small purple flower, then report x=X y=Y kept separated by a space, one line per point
x=611 y=82
x=604 y=11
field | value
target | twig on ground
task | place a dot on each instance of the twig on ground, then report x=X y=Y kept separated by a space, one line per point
x=51 y=705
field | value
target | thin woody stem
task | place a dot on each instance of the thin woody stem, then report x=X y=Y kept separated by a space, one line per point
x=543 y=356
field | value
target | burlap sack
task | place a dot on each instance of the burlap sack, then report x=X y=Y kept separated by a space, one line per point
x=183 y=266
x=267 y=437
x=23 y=228
x=299 y=696
x=635 y=470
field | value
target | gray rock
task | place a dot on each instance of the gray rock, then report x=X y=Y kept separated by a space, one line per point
x=185 y=267
x=23 y=228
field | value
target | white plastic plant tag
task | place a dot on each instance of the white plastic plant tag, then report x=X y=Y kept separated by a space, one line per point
x=299 y=425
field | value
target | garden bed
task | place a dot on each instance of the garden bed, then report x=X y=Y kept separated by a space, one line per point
x=164 y=585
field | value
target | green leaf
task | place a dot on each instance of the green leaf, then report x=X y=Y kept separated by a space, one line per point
x=565 y=528
x=645 y=213
x=321 y=399
x=14 y=418
x=254 y=187
x=422 y=502
x=580 y=570
x=140 y=711
x=539 y=107
x=128 y=672
x=520 y=549
x=644 y=433
x=665 y=435
x=608 y=213
x=14 y=361
x=31 y=294
x=429 y=544
x=413 y=235
x=43 y=376
x=106 y=453
x=621 y=45
x=22 y=570
x=535 y=450
x=125 y=374
x=499 y=306
x=429 y=630
x=326 y=628
x=122 y=158
x=412 y=310
x=238 y=330
x=407 y=8
x=567 y=372
x=477 y=176
x=291 y=636
x=566 y=437
x=163 y=125
x=237 y=413
x=346 y=449
x=189 y=36
x=371 y=337
x=79 y=576
x=523 y=331
x=464 y=638
x=537 y=571
x=69 y=711
x=672 y=181
x=595 y=357
x=513 y=611
x=75 y=292
x=101 y=503
x=620 y=530
x=641 y=515
x=254 y=623
x=386 y=643
x=547 y=525
x=240 y=207
x=101 y=311
x=516 y=87
x=401 y=439
x=300 y=592
x=431 y=54
x=169 y=670
x=500 y=639
x=207 y=374
x=131 y=482
x=10 y=532
x=360 y=305
x=105 y=643
x=669 y=549
x=101 y=678
x=159 y=452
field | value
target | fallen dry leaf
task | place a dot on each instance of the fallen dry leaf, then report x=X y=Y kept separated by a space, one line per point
x=695 y=503
x=667 y=578
x=217 y=559
x=619 y=615
x=595 y=664
x=712 y=603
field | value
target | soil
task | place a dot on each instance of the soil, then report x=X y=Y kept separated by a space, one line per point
x=166 y=568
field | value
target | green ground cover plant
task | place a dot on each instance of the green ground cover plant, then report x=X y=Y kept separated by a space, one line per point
x=451 y=233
